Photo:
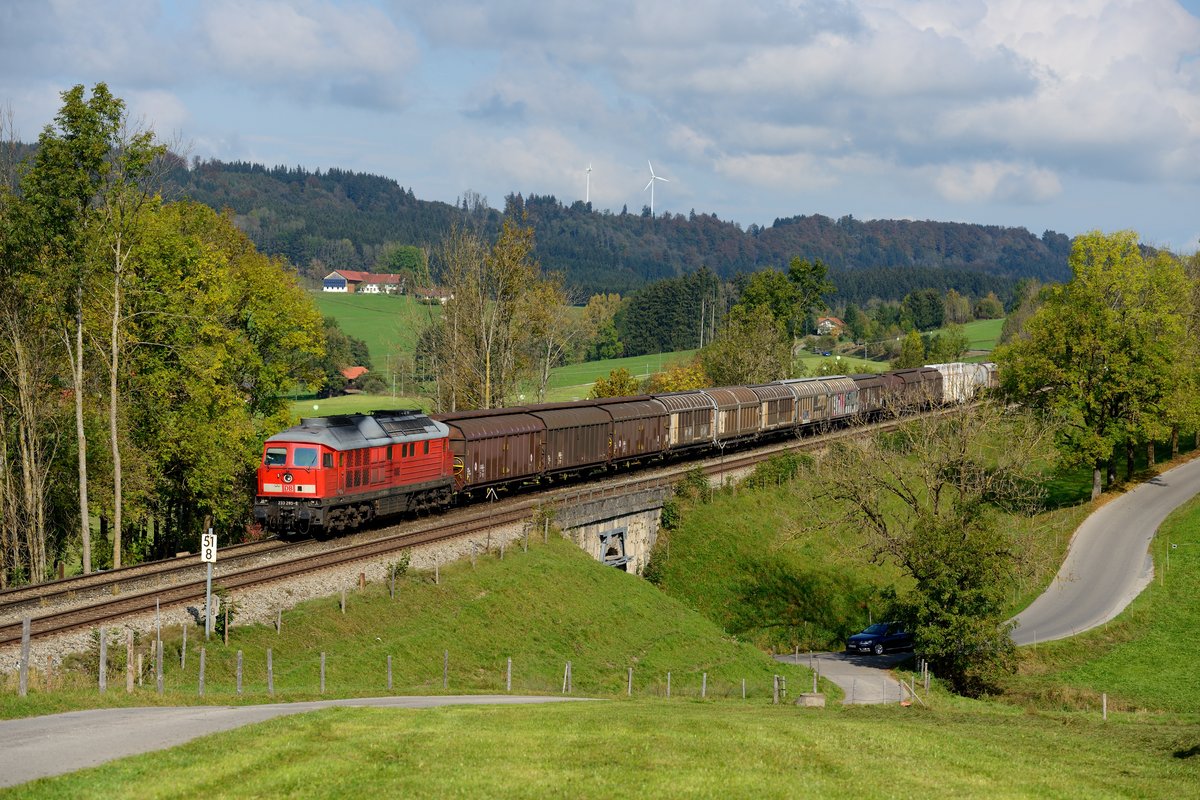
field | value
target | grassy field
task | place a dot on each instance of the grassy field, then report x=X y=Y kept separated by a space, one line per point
x=389 y=324
x=658 y=748
x=982 y=334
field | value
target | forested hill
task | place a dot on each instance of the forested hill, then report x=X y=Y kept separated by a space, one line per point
x=332 y=219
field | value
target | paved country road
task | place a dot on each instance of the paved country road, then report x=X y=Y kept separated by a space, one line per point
x=1108 y=562
x=864 y=679
x=37 y=747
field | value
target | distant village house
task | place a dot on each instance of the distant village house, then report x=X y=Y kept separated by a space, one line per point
x=353 y=281
x=830 y=326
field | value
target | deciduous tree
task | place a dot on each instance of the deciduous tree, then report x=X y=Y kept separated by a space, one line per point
x=1101 y=354
x=927 y=497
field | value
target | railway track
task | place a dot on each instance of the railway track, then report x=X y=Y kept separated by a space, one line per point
x=107 y=604
x=26 y=600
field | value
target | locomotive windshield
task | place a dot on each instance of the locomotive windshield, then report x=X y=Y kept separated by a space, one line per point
x=304 y=457
x=276 y=456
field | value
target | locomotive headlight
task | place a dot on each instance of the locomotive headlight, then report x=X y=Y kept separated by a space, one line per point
x=287 y=477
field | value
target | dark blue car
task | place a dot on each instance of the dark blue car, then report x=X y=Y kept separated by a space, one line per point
x=880 y=638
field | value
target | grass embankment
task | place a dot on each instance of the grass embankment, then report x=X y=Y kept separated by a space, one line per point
x=656 y=748
x=540 y=608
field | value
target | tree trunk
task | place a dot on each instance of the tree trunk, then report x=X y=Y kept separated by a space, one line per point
x=1112 y=471
x=114 y=363
x=1096 y=484
x=85 y=528
x=1129 y=459
x=1174 y=441
x=1150 y=454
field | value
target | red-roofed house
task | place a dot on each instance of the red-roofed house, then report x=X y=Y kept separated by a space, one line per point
x=830 y=325
x=349 y=280
x=352 y=374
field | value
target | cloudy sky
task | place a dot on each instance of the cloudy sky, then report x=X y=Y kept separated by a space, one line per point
x=1069 y=115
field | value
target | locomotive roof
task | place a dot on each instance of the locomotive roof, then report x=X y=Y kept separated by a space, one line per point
x=352 y=431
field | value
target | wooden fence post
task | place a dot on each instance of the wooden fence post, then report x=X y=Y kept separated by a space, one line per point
x=343 y=600
x=775 y=691
x=743 y=688
x=139 y=668
x=704 y=686
x=629 y=684
x=389 y=674
x=508 y=677
x=278 y=620
x=202 y=672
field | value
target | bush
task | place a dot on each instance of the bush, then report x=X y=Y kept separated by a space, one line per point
x=777 y=469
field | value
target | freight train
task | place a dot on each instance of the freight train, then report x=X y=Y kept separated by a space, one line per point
x=329 y=475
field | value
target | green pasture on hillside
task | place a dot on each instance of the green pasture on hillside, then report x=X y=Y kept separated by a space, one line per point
x=389 y=324
x=982 y=334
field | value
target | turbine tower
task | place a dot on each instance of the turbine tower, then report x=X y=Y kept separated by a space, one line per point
x=650 y=185
x=587 y=197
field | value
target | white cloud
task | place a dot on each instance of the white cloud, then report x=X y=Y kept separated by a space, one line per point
x=989 y=181
x=345 y=53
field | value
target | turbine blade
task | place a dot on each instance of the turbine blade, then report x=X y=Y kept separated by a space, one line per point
x=649 y=184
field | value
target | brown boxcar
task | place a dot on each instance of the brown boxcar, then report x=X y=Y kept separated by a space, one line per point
x=689 y=418
x=777 y=405
x=493 y=446
x=739 y=415
x=872 y=389
x=639 y=427
x=919 y=387
x=812 y=399
x=577 y=435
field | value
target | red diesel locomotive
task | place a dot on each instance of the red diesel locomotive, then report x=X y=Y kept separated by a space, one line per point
x=330 y=474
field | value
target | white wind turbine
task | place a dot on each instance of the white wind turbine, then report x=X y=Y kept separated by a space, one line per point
x=587 y=198
x=650 y=185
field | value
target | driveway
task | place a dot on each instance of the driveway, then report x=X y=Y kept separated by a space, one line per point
x=38 y=747
x=864 y=679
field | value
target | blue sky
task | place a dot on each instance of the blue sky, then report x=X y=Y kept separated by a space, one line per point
x=1069 y=115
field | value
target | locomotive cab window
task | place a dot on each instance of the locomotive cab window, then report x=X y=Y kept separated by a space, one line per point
x=275 y=457
x=304 y=457
x=327 y=460
x=426 y=447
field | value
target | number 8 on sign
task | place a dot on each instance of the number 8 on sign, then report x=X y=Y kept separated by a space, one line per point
x=208 y=547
